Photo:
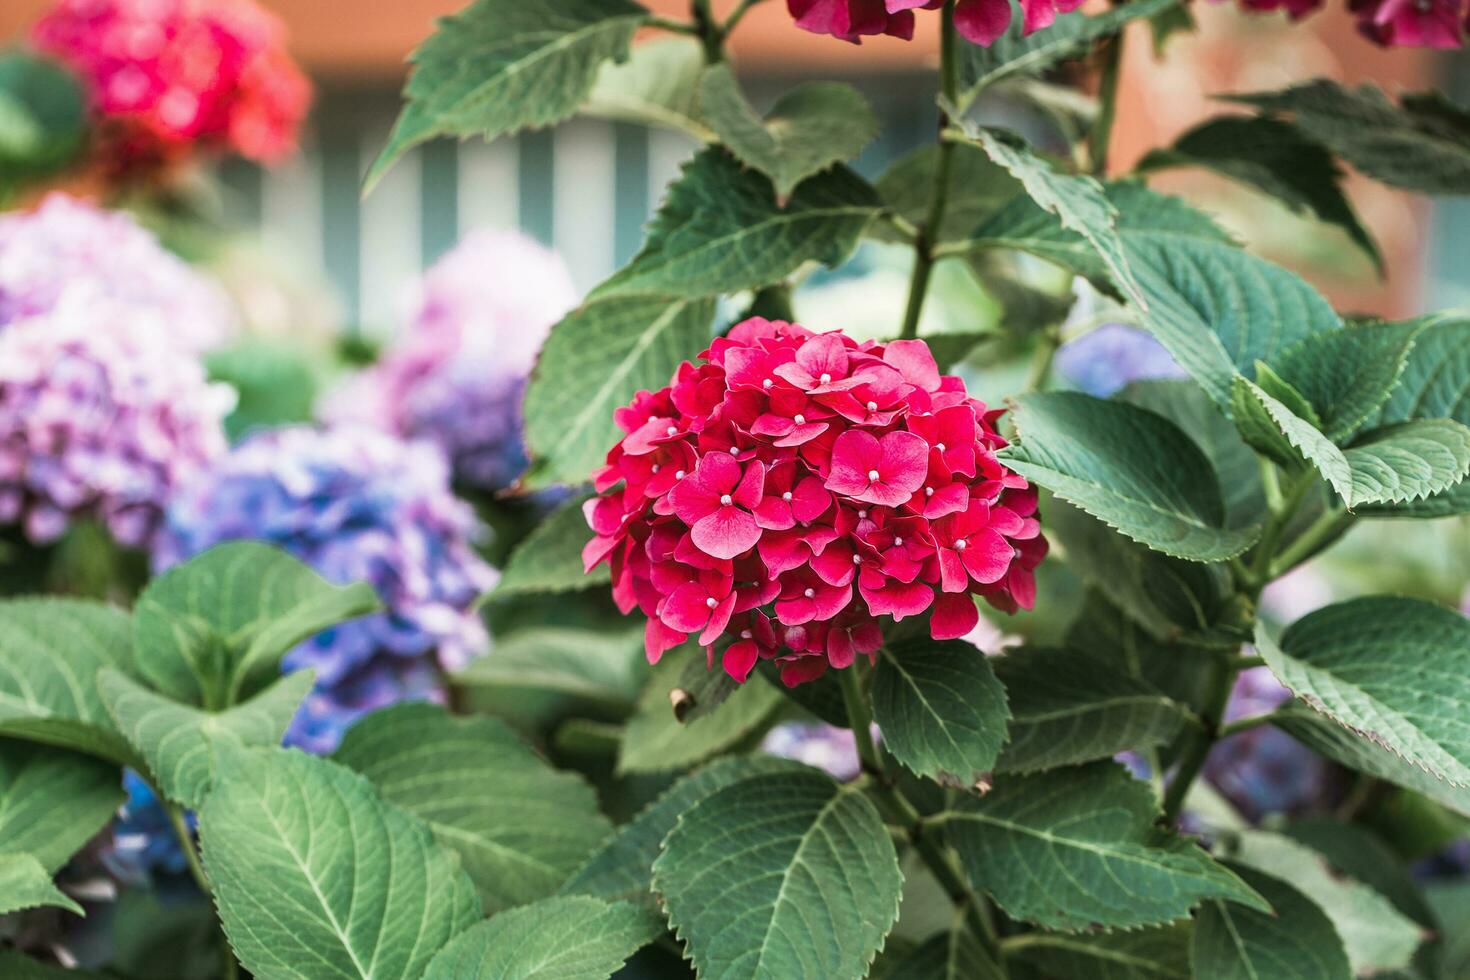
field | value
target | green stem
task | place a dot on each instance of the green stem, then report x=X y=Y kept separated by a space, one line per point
x=1282 y=513
x=180 y=826
x=1041 y=359
x=928 y=233
x=673 y=26
x=709 y=30
x=897 y=809
x=1245 y=724
x=1327 y=526
x=1100 y=142
x=1193 y=759
x=1245 y=663
x=738 y=14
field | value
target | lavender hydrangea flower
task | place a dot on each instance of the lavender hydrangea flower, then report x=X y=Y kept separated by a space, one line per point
x=66 y=246
x=1264 y=770
x=356 y=504
x=824 y=746
x=1113 y=356
x=100 y=417
x=457 y=375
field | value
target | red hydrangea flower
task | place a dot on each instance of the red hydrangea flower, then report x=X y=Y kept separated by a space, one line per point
x=978 y=21
x=166 y=76
x=783 y=496
x=1410 y=23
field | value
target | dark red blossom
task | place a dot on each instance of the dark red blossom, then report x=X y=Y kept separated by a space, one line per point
x=789 y=491
x=978 y=21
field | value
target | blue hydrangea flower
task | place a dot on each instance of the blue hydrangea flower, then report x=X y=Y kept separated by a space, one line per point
x=143 y=841
x=356 y=504
x=457 y=375
x=1114 y=356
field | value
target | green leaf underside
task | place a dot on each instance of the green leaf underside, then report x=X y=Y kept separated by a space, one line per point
x=808 y=129
x=1357 y=852
x=519 y=826
x=316 y=878
x=657 y=86
x=1017 y=53
x=501 y=66
x=1423 y=144
x=1394 y=670
x=622 y=868
x=1161 y=953
x=1376 y=936
x=941 y=709
x=744 y=868
x=655 y=741
x=1128 y=467
x=177 y=740
x=26 y=884
x=52 y=801
x=1297 y=942
x=594 y=361
x=598 y=665
x=1277 y=159
x=952 y=955
x=721 y=230
x=567 y=938
x=550 y=558
x=50 y=652
x=1073 y=849
x=216 y=626
x=1069 y=707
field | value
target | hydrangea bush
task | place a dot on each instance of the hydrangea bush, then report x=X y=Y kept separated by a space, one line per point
x=1158 y=779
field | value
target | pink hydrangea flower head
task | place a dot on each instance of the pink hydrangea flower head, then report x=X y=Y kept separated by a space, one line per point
x=1411 y=23
x=69 y=246
x=169 y=76
x=725 y=516
x=977 y=21
x=101 y=418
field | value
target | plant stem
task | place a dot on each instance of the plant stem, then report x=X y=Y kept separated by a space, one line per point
x=673 y=26
x=738 y=14
x=1282 y=513
x=1193 y=759
x=1245 y=725
x=709 y=30
x=1327 y=526
x=1041 y=359
x=936 y=856
x=196 y=869
x=1100 y=142
x=928 y=232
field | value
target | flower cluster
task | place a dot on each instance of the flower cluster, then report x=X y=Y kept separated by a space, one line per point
x=794 y=487
x=68 y=246
x=167 y=76
x=1391 y=23
x=457 y=376
x=100 y=418
x=978 y=21
x=356 y=504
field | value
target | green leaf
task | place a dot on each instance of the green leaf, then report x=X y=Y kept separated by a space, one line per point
x=178 y=740
x=596 y=665
x=574 y=938
x=1422 y=144
x=1272 y=423
x=954 y=954
x=16 y=966
x=1297 y=941
x=520 y=826
x=595 y=361
x=1069 y=707
x=977 y=189
x=656 y=741
x=1138 y=954
x=1347 y=375
x=1104 y=631
x=501 y=66
x=368 y=891
x=1376 y=935
x=25 y=884
x=1354 y=850
x=1018 y=53
x=1079 y=202
x=1076 y=848
x=721 y=230
x=808 y=129
x=52 y=802
x=942 y=711
x=215 y=627
x=1394 y=670
x=744 y=870
x=43 y=117
x=1275 y=158
x=1349 y=749
x=657 y=86
x=622 y=868
x=1128 y=467
x=550 y=558
x=50 y=652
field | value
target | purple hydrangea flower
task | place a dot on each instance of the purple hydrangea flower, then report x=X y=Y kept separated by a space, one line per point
x=1114 y=356
x=824 y=746
x=356 y=504
x=457 y=375
x=1264 y=770
x=68 y=246
x=100 y=417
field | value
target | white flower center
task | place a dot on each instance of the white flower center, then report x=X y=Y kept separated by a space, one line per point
x=928 y=491
x=857 y=559
x=655 y=467
x=745 y=634
x=897 y=542
x=786 y=495
x=872 y=406
x=711 y=602
x=767 y=383
x=734 y=451
x=810 y=593
x=862 y=515
x=872 y=476
x=961 y=544
x=825 y=378
x=725 y=500
x=679 y=475
x=799 y=419
x=672 y=430
x=939 y=446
